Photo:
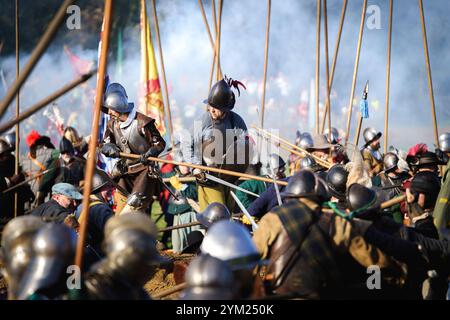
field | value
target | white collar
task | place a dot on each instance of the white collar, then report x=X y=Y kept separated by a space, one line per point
x=130 y=118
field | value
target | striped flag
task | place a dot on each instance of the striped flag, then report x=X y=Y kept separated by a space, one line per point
x=150 y=96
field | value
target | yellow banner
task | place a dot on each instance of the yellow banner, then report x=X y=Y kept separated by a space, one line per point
x=150 y=97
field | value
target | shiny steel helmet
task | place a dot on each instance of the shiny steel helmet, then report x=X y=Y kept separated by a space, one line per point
x=10 y=138
x=444 y=142
x=334 y=135
x=99 y=180
x=370 y=135
x=208 y=278
x=118 y=102
x=231 y=242
x=116 y=87
x=337 y=181
x=5 y=147
x=306 y=141
x=309 y=163
x=305 y=184
x=213 y=213
x=390 y=161
x=276 y=162
x=17 y=249
x=53 y=251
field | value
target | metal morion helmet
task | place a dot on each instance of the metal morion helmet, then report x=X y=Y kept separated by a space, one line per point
x=231 y=242
x=213 y=213
x=65 y=146
x=118 y=102
x=221 y=96
x=444 y=142
x=275 y=162
x=17 y=249
x=53 y=249
x=208 y=278
x=359 y=197
x=305 y=184
x=10 y=138
x=99 y=180
x=334 y=135
x=116 y=87
x=337 y=181
x=309 y=163
x=306 y=141
x=390 y=161
x=5 y=147
x=370 y=135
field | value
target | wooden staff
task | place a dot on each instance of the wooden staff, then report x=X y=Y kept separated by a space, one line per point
x=388 y=76
x=90 y=163
x=163 y=71
x=317 y=63
x=38 y=51
x=213 y=8
x=355 y=70
x=219 y=28
x=205 y=20
x=333 y=64
x=17 y=153
x=266 y=58
x=430 y=80
x=323 y=163
x=205 y=168
x=180 y=226
x=358 y=130
x=327 y=69
x=168 y=292
x=38 y=106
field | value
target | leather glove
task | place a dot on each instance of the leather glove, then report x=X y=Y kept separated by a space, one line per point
x=110 y=150
x=15 y=179
x=199 y=175
x=152 y=152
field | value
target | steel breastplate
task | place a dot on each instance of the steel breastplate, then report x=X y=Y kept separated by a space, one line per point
x=129 y=140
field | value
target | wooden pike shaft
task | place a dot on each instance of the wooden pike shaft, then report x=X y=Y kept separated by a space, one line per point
x=358 y=130
x=266 y=58
x=327 y=68
x=355 y=71
x=205 y=168
x=318 y=160
x=333 y=64
x=163 y=72
x=38 y=51
x=388 y=76
x=38 y=106
x=205 y=20
x=17 y=153
x=317 y=63
x=392 y=202
x=90 y=163
x=430 y=80
x=219 y=30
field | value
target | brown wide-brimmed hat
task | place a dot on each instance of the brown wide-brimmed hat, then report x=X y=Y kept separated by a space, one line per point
x=320 y=142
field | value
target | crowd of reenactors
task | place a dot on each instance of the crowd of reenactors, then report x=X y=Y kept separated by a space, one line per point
x=313 y=233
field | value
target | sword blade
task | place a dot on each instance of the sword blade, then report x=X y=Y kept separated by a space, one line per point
x=244 y=211
x=228 y=184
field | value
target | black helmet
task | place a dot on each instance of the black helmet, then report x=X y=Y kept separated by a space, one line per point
x=359 y=197
x=213 y=213
x=309 y=163
x=305 y=184
x=65 y=146
x=4 y=147
x=390 y=161
x=221 y=96
x=99 y=180
x=337 y=181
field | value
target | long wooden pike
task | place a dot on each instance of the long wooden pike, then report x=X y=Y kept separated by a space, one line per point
x=318 y=62
x=90 y=164
x=17 y=153
x=355 y=71
x=37 y=53
x=428 y=66
x=388 y=77
x=168 y=292
x=333 y=64
x=266 y=58
x=323 y=163
x=204 y=168
x=180 y=226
